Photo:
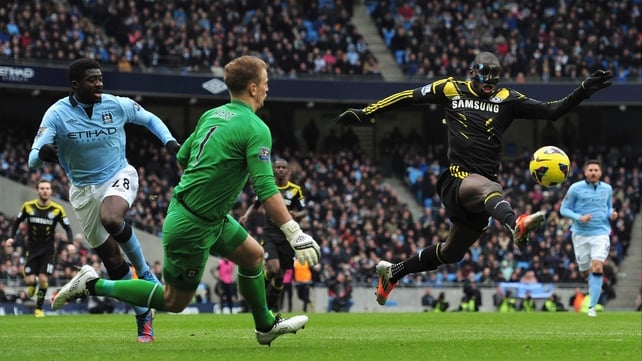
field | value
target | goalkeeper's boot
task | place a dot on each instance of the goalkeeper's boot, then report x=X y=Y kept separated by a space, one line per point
x=145 y=329
x=384 y=273
x=75 y=288
x=280 y=327
x=31 y=290
x=524 y=225
x=39 y=313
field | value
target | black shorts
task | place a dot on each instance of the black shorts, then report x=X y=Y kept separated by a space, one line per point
x=277 y=247
x=40 y=262
x=448 y=189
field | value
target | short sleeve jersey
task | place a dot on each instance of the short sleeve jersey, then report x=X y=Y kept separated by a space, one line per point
x=42 y=221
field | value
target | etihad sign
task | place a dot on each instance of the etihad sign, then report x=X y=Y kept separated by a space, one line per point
x=16 y=74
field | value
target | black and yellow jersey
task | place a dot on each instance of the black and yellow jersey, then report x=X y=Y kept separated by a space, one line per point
x=475 y=124
x=294 y=201
x=42 y=221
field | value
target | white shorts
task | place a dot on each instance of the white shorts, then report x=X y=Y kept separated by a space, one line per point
x=588 y=248
x=87 y=200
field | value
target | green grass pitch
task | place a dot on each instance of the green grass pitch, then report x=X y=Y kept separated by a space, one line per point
x=430 y=336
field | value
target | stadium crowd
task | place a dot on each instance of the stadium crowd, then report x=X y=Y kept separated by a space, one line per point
x=294 y=37
x=535 y=40
x=358 y=219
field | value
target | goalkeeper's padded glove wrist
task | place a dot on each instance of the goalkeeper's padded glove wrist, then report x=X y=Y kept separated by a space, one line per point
x=290 y=229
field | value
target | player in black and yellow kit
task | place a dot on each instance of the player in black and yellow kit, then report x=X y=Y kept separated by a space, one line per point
x=279 y=255
x=42 y=215
x=477 y=112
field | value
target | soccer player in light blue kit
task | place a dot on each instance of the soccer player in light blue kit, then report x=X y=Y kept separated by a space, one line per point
x=85 y=133
x=589 y=204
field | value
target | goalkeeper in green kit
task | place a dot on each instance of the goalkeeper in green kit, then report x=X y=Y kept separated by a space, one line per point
x=230 y=144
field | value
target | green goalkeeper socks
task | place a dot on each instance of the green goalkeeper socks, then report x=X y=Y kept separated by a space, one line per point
x=136 y=292
x=252 y=287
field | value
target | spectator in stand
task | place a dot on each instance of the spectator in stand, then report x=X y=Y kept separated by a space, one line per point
x=340 y=293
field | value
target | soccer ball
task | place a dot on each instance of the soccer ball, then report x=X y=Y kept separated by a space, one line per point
x=549 y=166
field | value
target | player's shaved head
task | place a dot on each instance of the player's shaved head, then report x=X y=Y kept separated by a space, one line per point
x=486 y=58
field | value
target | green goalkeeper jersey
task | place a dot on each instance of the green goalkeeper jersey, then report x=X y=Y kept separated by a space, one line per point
x=230 y=143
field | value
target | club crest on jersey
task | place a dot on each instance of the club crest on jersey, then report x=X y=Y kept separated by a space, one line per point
x=107 y=118
x=289 y=194
x=264 y=154
x=495 y=99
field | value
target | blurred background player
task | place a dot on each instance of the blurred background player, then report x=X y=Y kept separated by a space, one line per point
x=42 y=215
x=85 y=133
x=589 y=203
x=279 y=255
x=477 y=113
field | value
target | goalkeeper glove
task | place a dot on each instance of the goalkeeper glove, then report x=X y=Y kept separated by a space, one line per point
x=599 y=79
x=48 y=153
x=172 y=147
x=354 y=116
x=305 y=248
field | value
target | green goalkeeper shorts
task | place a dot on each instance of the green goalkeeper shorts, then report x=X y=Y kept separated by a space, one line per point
x=188 y=241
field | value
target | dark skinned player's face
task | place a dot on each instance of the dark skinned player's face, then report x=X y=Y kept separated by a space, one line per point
x=485 y=77
x=89 y=89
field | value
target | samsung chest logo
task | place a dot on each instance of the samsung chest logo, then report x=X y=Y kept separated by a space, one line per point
x=40 y=220
x=91 y=134
x=475 y=104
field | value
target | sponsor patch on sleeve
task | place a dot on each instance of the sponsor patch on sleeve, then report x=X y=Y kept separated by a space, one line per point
x=41 y=131
x=136 y=106
x=264 y=154
x=426 y=89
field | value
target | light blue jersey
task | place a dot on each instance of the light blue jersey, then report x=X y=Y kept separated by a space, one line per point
x=92 y=150
x=587 y=198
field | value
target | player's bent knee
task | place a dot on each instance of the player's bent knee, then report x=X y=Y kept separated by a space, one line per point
x=449 y=258
x=113 y=223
